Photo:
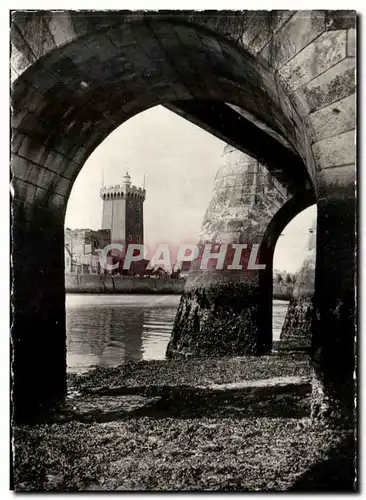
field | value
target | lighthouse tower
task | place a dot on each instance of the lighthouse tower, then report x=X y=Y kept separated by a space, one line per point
x=123 y=212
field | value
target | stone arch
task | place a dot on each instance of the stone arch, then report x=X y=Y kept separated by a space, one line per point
x=250 y=209
x=296 y=330
x=74 y=85
x=293 y=44
x=285 y=214
x=82 y=78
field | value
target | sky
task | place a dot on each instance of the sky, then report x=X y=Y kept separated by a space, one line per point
x=179 y=161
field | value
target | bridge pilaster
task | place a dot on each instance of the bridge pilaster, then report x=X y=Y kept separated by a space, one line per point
x=334 y=323
x=38 y=344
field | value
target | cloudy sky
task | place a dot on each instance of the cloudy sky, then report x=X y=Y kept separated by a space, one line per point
x=179 y=161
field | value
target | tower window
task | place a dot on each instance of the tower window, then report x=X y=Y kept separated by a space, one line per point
x=130 y=204
x=138 y=239
x=130 y=237
x=138 y=222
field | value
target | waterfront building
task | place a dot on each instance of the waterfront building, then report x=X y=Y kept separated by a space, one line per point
x=122 y=222
x=123 y=212
x=82 y=249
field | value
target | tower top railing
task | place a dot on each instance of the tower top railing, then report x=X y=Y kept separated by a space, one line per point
x=122 y=191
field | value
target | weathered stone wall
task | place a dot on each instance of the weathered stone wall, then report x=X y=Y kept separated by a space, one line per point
x=221 y=313
x=82 y=242
x=245 y=197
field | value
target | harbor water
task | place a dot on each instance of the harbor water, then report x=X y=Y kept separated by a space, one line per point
x=109 y=330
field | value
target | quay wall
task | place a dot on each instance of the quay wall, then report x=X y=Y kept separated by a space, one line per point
x=97 y=283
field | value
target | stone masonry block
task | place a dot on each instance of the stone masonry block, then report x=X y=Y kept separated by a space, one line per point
x=95 y=21
x=101 y=45
x=42 y=79
x=20 y=168
x=210 y=42
x=333 y=120
x=23 y=190
x=71 y=170
x=16 y=140
x=263 y=43
x=33 y=150
x=332 y=85
x=57 y=201
x=19 y=91
x=334 y=151
x=61 y=165
x=78 y=53
x=13 y=74
x=188 y=36
x=351 y=43
x=19 y=60
x=258 y=32
x=17 y=118
x=127 y=34
x=279 y=18
x=63 y=186
x=42 y=177
x=62 y=68
x=61 y=27
x=326 y=51
x=298 y=32
x=340 y=19
x=57 y=162
x=36 y=33
x=265 y=54
x=337 y=181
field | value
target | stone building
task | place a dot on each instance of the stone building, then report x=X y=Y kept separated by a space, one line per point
x=122 y=222
x=123 y=212
x=82 y=248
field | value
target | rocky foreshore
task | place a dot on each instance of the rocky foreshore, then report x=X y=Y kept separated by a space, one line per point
x=239 y=424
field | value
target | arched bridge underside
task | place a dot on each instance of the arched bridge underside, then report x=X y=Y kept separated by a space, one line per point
x=279 y=86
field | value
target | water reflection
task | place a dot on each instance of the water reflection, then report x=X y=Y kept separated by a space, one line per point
x=109 y=330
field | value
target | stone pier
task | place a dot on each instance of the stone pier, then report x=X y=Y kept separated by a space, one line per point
x=221 y=312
